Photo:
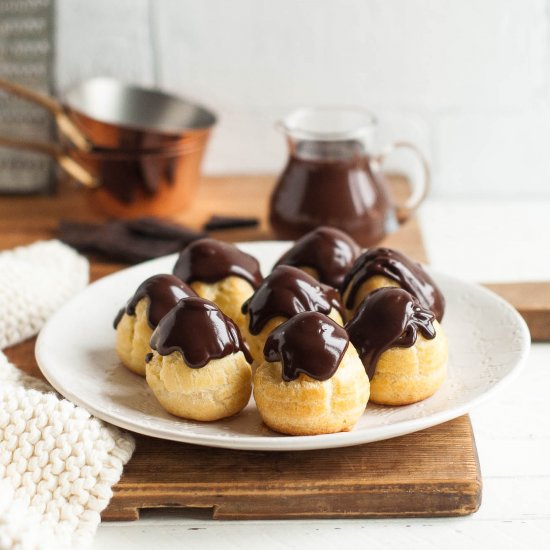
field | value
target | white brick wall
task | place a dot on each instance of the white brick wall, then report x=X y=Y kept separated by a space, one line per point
x=467 y=80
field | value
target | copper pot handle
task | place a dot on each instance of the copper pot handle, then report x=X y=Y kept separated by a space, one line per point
x=73 y=168
x=64 y=123
x=419 y=191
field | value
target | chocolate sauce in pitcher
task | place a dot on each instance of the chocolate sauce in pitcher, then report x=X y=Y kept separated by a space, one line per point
x=332 y=183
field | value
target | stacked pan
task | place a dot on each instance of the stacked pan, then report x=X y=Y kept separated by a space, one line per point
x=138 y=150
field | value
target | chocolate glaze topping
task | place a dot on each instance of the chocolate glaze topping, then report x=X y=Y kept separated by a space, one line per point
x=163 y=291
x=327 y=250
x=395 y=266
x=286 y=292
x=199 y=331
x=210 y=261
x=310 y=343
x=388 y=317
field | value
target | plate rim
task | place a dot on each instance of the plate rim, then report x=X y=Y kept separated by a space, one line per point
x=284 y=442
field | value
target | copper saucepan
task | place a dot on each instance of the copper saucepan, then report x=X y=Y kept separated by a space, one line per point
x=140 y=148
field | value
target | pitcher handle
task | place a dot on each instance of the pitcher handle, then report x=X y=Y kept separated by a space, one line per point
x=419 y=190
x=71 y=166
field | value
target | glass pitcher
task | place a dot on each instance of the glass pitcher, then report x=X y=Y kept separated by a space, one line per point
x=333 y=178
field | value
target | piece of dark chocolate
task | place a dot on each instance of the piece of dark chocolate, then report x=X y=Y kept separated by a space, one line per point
x=218 y=223
x=164 y=229
x=127 y=241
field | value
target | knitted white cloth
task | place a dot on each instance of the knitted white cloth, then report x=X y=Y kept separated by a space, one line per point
x=34 y=281
x=57 y=464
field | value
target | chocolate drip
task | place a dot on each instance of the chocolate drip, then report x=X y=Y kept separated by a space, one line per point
x=286 y=292
x=387 y=318
x=163 y=291
x=200 y=332
x=395 y=266
x=210 y=261
x=309 y=343
x=327 y=250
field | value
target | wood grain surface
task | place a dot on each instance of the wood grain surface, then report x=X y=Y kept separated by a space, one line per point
x=430 y=473
x=532 y=300
x=434 y=472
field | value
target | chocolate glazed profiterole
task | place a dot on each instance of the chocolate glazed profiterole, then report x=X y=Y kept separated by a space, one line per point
x=135 y=322
x=220 y=272
x=200 y=366
x=312 y=381
x=210 y=261
x=199 y=331
x=390 y=268
x=401 y=344
x=310 y=343
x=163 y=292
x=286 y=292
x=325 y=253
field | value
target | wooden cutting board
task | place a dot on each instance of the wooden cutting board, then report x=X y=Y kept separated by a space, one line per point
x=430 y=473
x=532 y=300
x=434 y=472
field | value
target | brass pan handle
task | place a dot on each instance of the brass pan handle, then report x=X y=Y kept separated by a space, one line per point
x=66 y=126
x=73 y=168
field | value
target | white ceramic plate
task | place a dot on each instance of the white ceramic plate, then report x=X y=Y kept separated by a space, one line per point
x=488 y=344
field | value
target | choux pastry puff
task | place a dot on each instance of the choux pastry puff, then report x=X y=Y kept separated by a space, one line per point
x=402 y=346
x=286 y=292
x=135 y=323
x=385 y=267
x=200 y=366
x=326 y=253
x=221 y=273
x=312 y=381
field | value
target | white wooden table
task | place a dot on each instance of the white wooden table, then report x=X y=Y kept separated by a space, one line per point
x=477 y=241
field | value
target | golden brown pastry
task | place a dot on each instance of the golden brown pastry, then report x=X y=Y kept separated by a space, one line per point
x=135 y=322
x=286 y=292
x=402 y=346
x=200 y=366
x=326 y=253
x=221 y=273
x=385 y=267
x=312 y=381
